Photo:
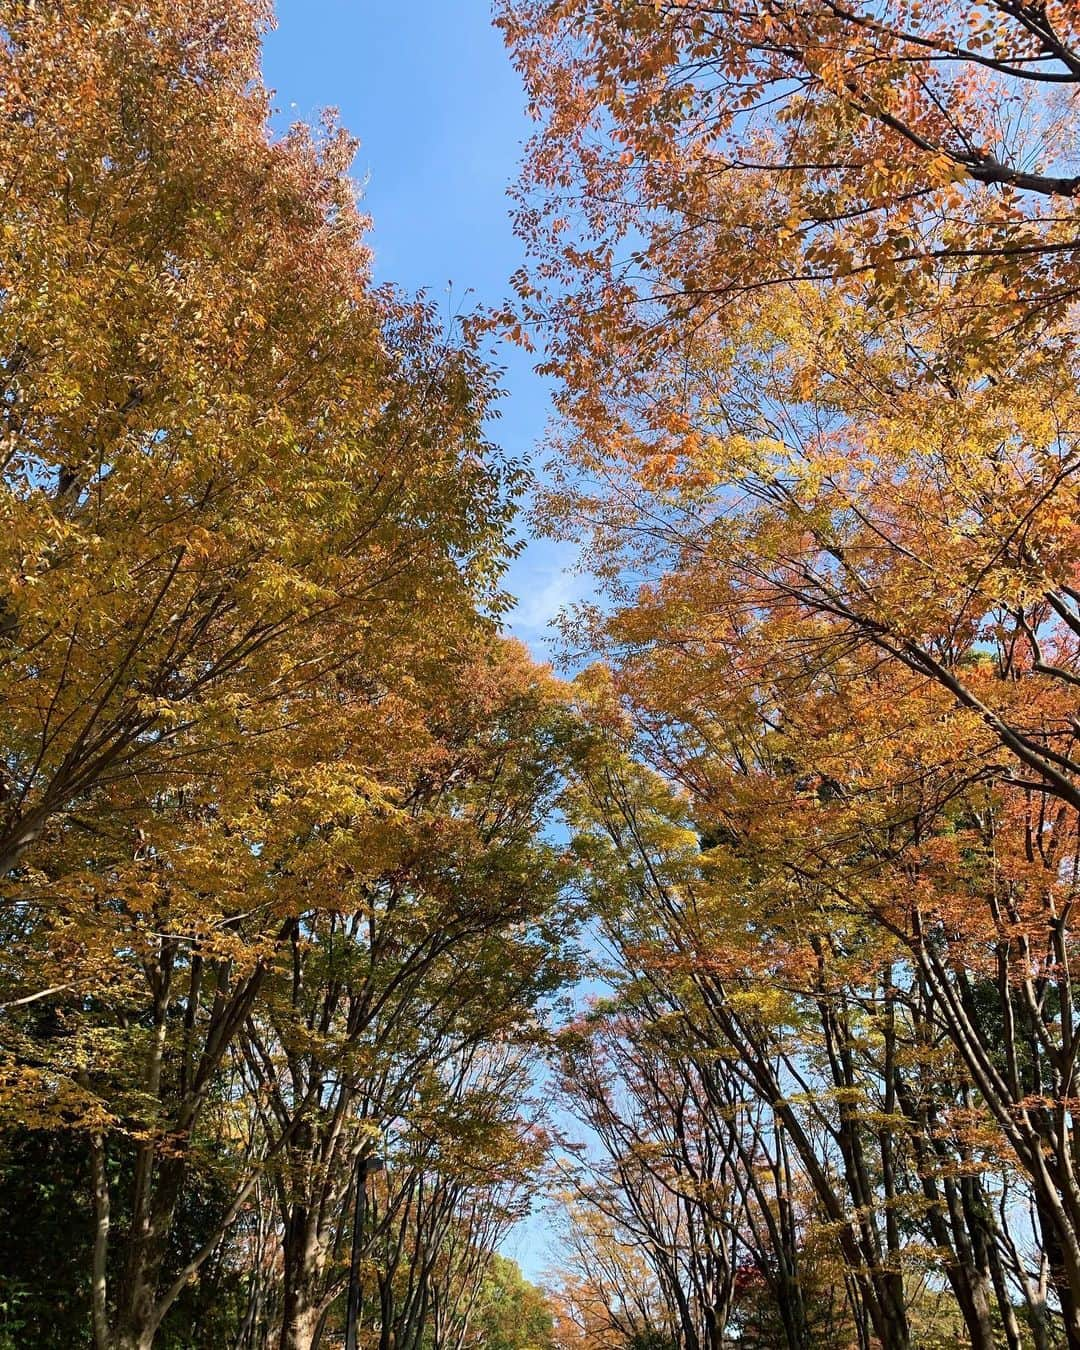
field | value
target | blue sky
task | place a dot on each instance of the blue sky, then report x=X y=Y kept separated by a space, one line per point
x=427 y=87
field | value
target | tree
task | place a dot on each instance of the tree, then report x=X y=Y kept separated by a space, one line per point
x=513 y=1314
x=839 y=604
x=366 y=945
x=664 y=1178
x=693 y=153
x=224 y=453
x=259 y=726
x=760 y=930
x=833 y=507
x=422 y=951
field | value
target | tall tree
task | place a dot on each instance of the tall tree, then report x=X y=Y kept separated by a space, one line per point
x=692 y=153
x=259 y=731
x=787 y=254
x=224 y=454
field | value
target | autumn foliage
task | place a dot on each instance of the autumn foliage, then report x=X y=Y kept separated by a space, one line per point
x=807 y=277
x=299 y=852
x=270 y=781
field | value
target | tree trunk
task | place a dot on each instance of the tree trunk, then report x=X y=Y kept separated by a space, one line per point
x=302 y=1292
x=300 y=1323
x=1059 y=1276
x=100 y=1185
x=139 y=1314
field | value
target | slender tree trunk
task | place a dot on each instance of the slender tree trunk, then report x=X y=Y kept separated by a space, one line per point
x=1059 y=1281
x=979 y=1221
x=1039 y=1321
x=758 y=1072
x=99 y=1291
x=1047 y=1164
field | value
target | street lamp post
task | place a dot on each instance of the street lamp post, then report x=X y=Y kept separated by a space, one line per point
x=365 y=1167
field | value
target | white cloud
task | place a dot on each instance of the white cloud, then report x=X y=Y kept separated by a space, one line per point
x=545 y=582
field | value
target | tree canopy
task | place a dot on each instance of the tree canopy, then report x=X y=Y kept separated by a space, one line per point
x=339 y=936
